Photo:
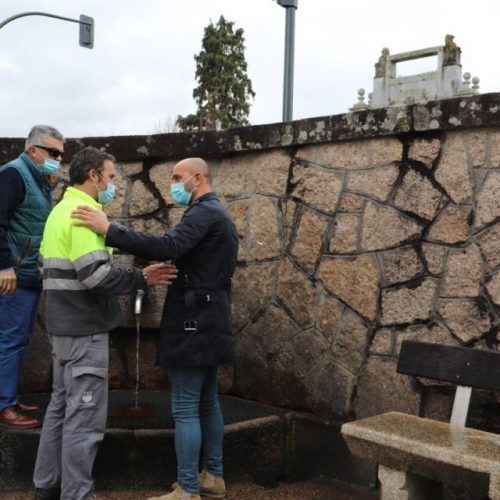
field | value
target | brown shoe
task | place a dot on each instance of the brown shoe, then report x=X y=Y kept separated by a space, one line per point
x=9 y=417
x=178 y=494
x=211 y=486
x=27 y=407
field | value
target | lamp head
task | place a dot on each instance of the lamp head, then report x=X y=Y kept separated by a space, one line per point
x=288 y=3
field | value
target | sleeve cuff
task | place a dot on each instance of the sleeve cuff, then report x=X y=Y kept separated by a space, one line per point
x=113 y=231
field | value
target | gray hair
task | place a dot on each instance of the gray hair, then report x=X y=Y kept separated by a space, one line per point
x=38 y=134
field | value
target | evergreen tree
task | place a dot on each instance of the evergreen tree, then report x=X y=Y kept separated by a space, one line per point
x=224 y=89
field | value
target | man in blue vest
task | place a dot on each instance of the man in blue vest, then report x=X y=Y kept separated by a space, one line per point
x=26 y=185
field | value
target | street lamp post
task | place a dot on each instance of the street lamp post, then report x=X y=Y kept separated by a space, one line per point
x=290 y=6
x=86 y=36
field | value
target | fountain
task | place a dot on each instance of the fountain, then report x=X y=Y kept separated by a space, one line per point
x=138 y=448
x=136 y=413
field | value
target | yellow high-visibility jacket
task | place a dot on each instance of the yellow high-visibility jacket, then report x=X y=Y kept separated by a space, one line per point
x=80 y=280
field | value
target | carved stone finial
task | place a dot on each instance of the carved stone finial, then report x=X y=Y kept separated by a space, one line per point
x=361 y=101
x=465 y=89
x=381 y=64
x=475 y=85
x=451 y=52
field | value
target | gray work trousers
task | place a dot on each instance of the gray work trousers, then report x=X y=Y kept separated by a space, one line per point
x=75 y=420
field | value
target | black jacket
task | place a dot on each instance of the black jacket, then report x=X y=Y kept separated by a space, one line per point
x=196 y=323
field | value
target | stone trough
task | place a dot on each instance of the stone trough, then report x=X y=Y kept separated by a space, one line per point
x=139 y=452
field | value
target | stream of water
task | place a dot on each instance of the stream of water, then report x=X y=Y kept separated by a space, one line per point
x=137 y=359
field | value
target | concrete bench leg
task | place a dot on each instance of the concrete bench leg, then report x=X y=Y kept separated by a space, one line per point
x=494 y=490
x=401 y=485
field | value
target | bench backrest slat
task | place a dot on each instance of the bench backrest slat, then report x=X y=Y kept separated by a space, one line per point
x=460 y=365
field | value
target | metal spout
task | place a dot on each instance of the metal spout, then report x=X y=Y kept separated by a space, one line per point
x=138 y=302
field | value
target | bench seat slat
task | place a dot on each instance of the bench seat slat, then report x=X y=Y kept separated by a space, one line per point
x=460 y=365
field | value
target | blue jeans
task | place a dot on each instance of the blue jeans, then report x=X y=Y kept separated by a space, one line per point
x=17 y=319
x=198 y=423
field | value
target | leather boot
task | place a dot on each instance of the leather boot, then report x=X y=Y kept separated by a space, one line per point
x=26 y=407
x=10 y=417
x=47 y=493
x=211 y=486
x=178 y=494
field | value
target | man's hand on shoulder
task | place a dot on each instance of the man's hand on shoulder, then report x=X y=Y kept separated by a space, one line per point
x=8 y=281
x=160 y=274
x=95 y=220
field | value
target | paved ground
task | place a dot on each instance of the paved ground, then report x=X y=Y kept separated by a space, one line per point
x=316 y=489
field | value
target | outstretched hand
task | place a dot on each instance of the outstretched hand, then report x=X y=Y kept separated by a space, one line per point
x=95 y=220
x=160 y=274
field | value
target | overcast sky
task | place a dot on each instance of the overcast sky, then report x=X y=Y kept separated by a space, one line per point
x=140 y=74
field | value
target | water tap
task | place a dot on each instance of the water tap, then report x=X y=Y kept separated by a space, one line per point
x=138 y=302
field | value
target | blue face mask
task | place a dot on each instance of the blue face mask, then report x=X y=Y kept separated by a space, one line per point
x=107 y=195
x=179 y=193
x=50 y=166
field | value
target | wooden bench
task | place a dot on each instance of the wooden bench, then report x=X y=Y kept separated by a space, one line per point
x=413 y=452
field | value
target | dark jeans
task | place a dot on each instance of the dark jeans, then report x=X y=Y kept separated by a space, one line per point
x=17 y=319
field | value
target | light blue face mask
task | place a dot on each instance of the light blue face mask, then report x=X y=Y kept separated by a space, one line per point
x=50 y=166
x=107 y=195
x=179 y=193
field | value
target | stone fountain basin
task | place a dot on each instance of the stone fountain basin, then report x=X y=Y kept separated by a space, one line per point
x=262 y=443
x=140 y=453
x=157 y=414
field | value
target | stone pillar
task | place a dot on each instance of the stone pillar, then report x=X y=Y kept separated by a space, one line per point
x=494 y=489
x=380 y=95
x=401 y=485
x=451 y=81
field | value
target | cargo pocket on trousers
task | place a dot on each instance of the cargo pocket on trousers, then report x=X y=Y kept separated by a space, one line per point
x=90 y=385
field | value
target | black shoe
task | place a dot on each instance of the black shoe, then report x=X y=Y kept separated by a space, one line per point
x=47 y=493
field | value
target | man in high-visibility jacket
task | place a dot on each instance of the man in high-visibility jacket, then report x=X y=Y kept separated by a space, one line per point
x=82 y=285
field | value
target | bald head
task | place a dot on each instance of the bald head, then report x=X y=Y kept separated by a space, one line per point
x=196 y=166
x=194 y=174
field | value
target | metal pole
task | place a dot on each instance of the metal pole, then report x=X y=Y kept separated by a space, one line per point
x=290 y=6
x=289 y=65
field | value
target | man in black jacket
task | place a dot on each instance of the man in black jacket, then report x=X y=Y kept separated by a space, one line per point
x=195 y=332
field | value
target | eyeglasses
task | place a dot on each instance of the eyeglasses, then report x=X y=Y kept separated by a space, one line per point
x=55 y=153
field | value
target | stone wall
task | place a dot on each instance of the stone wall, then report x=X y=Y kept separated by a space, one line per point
x=356 y=232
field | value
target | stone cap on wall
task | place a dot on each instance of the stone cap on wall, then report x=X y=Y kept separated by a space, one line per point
x=448 y=114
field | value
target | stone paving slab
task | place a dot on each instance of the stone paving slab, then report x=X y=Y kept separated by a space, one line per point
x=314 y=489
